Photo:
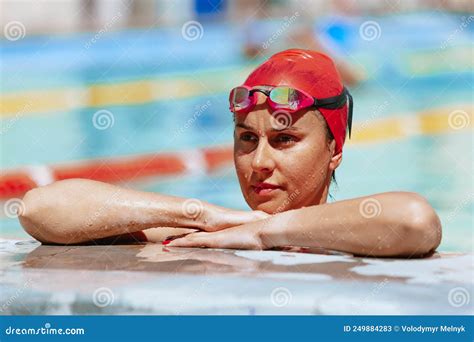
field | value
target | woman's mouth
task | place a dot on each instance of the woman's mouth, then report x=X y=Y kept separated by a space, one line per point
x=264 y=189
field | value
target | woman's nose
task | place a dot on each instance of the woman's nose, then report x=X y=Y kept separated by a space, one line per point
x=263 y=160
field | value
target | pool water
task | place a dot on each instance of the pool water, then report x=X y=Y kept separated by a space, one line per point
x=169 y=94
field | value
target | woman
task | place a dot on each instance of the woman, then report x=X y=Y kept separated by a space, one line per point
x=291 y=116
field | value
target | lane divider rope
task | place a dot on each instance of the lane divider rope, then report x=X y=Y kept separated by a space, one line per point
x=15 y=183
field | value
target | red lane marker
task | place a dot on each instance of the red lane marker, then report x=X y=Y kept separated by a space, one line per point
x=121 y=170
x=218 y=157
x=15 y=183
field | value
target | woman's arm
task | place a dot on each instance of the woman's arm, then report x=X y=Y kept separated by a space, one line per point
x=387 y=224
x=80 y=210
x=399 y=224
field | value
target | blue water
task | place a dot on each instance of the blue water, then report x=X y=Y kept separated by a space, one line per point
x=439 y=166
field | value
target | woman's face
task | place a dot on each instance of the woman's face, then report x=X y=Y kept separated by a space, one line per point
x=284 y=161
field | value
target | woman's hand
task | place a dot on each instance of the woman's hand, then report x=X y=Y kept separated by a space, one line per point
x=213 y=219
x=217 y=218
x=240 y=237
x=393 y=224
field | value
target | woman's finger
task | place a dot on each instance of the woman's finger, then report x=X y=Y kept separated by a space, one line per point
x=192 y=240
x=236 y=238
x=174 y=237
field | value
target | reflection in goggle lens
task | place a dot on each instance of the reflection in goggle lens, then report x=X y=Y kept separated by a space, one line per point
x=285 y=96
x=240 y=97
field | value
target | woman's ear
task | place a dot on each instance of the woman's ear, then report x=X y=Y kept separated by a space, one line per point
x=336 y=159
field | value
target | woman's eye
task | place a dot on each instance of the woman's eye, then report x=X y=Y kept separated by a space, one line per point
x=248 y=137
x=285 y=139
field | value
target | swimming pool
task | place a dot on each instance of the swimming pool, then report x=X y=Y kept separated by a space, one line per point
x=412 y=120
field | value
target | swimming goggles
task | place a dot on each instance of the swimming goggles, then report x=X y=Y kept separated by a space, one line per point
x=242 y=100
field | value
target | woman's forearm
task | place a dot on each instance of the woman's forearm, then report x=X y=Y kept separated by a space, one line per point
x=79 y=210
x=388 y=224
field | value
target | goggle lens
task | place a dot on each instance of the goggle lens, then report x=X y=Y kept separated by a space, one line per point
x=240 y=97
x=286 y=96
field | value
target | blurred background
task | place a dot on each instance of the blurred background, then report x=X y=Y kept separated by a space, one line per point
x=135 y=93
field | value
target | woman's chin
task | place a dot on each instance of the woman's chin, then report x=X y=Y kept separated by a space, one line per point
x=270 y=207
x=273 y=202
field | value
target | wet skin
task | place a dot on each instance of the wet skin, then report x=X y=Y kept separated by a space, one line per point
x=284 y=172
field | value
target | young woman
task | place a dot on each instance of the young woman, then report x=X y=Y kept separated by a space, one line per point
x=291 y=117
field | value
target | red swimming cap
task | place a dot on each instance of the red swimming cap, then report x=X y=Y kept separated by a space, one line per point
x=312 y=72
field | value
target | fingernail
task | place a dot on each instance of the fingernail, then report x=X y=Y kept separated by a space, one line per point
x=165 y=242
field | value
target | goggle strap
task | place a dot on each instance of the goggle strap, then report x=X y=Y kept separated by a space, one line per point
x=349 y=114
x=333 y=102
x=337 y=102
